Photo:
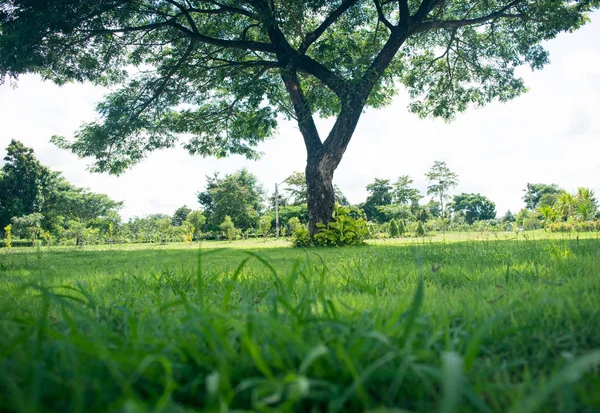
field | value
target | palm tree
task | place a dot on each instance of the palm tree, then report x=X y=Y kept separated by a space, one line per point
x=586 y=203
x=548 y=213
x=565 y=205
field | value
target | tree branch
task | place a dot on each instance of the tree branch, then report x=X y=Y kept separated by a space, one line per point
x=224 y=8
x=329 y=20
x=381 y=15
x=446 y=24
x=304 y=114
x=424 y=9
x=165 y=81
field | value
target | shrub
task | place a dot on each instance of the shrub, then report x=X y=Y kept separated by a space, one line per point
x=401 y=228
x=420 y=231
x=293 y=225
x=229 y=230
x=561 y=227
x=302 y=238
x=394 y=231
x=587 y=226
x=343 y=231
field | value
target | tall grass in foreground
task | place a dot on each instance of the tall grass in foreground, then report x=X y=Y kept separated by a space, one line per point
x=488 y=326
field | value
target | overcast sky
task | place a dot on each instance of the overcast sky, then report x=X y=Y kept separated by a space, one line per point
x=549 y=135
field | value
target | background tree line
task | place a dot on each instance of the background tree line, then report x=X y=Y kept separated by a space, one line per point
x=38 y=204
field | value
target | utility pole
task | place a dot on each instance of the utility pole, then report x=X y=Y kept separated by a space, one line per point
x=277 y=209
x=276 y=213
x=530 y=199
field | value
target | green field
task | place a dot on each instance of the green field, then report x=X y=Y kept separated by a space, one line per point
x=506 y=323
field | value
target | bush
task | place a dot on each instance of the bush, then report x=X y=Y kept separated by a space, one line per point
x=587 y=226
x=401 y=228
x=343 y=231
x=561 y=227
x=293 y=225
x=16 y=243
x=302 y=237
x=394 y=231
x=420 y=231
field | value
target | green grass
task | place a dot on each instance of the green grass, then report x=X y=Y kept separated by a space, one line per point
x=480 y=325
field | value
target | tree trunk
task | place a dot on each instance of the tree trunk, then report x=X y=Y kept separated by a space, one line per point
x=321 y=196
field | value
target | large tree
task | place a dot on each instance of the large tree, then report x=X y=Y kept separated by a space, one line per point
x=380 y=195
x=541 y=194
x=238 y=196
x=22 y=182
x=475 y=207
x=441 y=180
x=221 y=70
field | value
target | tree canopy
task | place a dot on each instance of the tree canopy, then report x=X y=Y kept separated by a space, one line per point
x=218 y=72
x=475 y=207
x=535 y=192
x=238 y=196
x=28 y=187
x=441 y=180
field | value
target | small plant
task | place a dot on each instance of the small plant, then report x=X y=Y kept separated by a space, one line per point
x=302 y=238
x=8 y=230
x=420 y=230
x=343 y=231
x=394 y=231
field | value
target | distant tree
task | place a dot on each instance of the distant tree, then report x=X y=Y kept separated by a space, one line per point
x=430 y=210
x=298 y=191
x=394 y=232
x=398 y=212
x=28 y=226
x=508 y=217
x=196 y=220
x=292 y=225
x=238 y=195
x=527 y=219
x=380 y=194
x=29 y=187
x=565 y=205
x=475 y=207
x=535 y=192
x=22 y=183
x=339 y=196
x=403 y=193
x=290 y=211
x=548 y=214
x=420 y=230
x=180 y=215
x=164 y=229
x=265 y=225
x=401 y=228
x=441 y=180
x=228 y=228
x=586 y=205
x=296 y=188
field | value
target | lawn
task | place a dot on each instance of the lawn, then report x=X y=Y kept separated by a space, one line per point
x=454 y=323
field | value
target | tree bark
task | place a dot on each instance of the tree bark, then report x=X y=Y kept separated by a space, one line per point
x=322 y=163
x=320 y=196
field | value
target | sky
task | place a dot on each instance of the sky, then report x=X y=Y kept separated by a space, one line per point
x=549 y=135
